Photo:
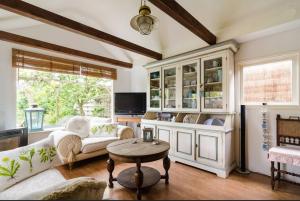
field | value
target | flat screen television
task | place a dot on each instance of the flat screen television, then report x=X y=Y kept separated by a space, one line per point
x=130 y=103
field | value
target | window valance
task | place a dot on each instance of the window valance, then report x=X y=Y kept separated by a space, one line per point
x=40 y=62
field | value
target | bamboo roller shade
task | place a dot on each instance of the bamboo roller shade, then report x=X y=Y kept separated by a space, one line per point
x=40 y=62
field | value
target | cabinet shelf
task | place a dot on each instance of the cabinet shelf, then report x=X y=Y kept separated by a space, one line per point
x=155 y=79
x=213 y=83
x=170 y=88
x=189 y=86
x=213 y=97
x=190 y=73
x=213 y=68
x=170 y=76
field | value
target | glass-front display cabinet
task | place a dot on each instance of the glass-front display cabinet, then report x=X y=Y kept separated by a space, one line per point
x=169 y=88
x=154 y=97
x=190 y=85
x=212 y=87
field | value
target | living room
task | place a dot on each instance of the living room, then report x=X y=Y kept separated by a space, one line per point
x=153 y=100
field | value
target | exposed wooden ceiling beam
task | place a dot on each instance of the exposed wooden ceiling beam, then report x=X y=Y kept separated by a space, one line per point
x=22 y=40
x=37 y=13
x=177 y=12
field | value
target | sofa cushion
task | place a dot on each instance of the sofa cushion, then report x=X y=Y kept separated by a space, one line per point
x=21 y=163
x=32 y=185
x=94 y=144
x=104 y=130
x=79 y=125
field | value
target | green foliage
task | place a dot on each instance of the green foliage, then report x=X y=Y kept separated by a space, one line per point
x=27 y=156
x=98 y=111
x=10 y=168
x=47 y=154
x=59 y=94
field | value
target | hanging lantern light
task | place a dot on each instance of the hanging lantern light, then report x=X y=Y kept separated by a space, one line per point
x=144 y=22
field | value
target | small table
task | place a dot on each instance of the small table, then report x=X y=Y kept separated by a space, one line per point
x=137 y=151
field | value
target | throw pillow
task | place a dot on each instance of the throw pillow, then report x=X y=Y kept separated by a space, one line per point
x=104 y=130
x=81 y=188
x=79 y=125
x=21 y=163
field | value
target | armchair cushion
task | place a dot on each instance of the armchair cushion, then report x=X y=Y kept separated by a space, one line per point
x=21 y=163
x=94 y=144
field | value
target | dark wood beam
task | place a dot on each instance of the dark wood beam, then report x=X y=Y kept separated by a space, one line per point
x=22 y=40
x=177 y=12
x=37 y=13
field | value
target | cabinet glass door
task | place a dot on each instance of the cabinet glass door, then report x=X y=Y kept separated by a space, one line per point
x=213 y=83
x=170 y=88
x=155 y=89
x=190 y=86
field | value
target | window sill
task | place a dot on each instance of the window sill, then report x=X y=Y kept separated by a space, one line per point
x=275 y=107
x=46 y=131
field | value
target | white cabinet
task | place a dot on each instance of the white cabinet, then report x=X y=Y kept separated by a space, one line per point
x=170 y=88
x=184 y=143
x=154 y=90
x=213 y=83
x=205 y=83
x=189 y=82
x=209 y=148
x=166 y=134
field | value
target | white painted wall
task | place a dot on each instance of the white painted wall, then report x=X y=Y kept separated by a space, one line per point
x=273 y=45
x=7 y=88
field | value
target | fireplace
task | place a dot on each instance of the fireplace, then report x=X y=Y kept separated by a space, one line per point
x=13 y=138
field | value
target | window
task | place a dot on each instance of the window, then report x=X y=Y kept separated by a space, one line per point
x=273 y=81
x=62 y=95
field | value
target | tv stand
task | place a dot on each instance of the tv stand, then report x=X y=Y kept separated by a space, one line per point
x=127 y=120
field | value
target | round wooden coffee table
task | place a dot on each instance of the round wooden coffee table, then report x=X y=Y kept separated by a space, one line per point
x=137 y=151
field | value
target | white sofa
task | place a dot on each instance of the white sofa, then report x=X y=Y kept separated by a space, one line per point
x=72 y=147
x=28 y=173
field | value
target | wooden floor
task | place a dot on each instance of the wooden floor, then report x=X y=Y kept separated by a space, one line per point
x=187 y=183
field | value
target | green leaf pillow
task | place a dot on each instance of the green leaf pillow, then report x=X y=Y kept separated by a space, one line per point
x=21 y=163
x=104 y=130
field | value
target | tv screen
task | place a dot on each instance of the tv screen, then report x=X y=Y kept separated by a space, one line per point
x=130 y=103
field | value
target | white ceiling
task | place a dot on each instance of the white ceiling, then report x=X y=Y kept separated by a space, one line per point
x=227 y=19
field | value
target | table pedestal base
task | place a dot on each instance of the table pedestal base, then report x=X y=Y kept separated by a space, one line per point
x=127 y=177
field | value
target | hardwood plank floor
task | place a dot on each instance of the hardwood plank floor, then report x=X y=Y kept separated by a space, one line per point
x=187 y=183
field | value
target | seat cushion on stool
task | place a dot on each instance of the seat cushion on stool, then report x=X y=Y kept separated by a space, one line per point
x=97 y=143
x=289 y=155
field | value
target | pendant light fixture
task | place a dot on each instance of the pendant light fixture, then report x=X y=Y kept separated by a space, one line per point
x=144 y=22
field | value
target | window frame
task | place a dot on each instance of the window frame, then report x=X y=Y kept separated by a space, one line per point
x=294 y=56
